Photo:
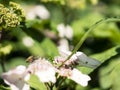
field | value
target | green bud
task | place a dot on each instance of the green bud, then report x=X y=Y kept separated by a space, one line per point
x=16 y=8
x=11 y=20
x=11 y=16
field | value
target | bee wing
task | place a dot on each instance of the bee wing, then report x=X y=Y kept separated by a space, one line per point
x=86 y=61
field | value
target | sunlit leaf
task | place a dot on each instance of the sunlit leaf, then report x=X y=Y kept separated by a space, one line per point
x=35 y=83
x=109 y=75
x=49 y=47
x=4 y=88
x=102 y=57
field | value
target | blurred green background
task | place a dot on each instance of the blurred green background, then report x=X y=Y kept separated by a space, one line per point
x=40 y=37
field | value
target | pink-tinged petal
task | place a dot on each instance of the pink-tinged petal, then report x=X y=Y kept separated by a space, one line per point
x=43 y=69
x=79 y=78
x=15 y=78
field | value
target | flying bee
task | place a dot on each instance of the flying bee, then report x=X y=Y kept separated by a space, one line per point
x=30 y=59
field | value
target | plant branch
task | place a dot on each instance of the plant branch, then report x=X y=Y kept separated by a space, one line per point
x=81 y=41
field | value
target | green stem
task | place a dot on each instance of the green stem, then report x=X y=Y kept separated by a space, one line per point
x=88 y=32
x=2 y=62
x=47 y=86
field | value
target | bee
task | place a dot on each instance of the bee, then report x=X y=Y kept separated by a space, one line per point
x=30 y=59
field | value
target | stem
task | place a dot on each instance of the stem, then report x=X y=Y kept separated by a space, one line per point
x=47 y=86
x=2 y=62
x=60 y=83
x=88 y=32
x=51 y=86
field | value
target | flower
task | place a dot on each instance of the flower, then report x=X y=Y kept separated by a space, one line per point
x=65 y=31
x=63 y=56
x=63 y=45
x=27 y=41
x=11 y=16
x=79 y=58
x=68 y=70
x=38 y=10
x=15 y=78
x=74 y=75
x=79 y=78
x=43 y=69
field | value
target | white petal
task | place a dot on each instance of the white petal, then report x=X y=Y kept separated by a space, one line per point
x=15 y=78
x=79 y=78
x=63 y=45
x=43 y=69
x=42 y=12
x=47 y=76
x=65 y=54
x=31 y=15
x=61 y=30
x=69 y=32
x=27 y=41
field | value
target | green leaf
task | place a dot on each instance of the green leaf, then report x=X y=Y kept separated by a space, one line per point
x=109 y=75
x=35 y=83
x=107 y=54
x=49 y=48
x=5 y=49
x=30 y=23
x=79 y=26
x=102 y=57
x=4 y=88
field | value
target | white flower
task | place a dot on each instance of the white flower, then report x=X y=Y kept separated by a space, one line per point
x=15 y=78
x=74 y=75
x=79 y=58
x=63 y=45
x=38 y=10
x=63 y=56
x=42 y=12
x=65 y=31
x=79 y=78
x=27 y=41
x=43 y=69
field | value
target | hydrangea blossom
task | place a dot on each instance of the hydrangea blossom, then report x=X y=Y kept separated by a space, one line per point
x=79 y=58
x=43 y=69
x=46 y=72
x=67 y=71
x=79 y=78
x=75 y=75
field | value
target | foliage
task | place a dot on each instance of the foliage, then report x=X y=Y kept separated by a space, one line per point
x=24 y=32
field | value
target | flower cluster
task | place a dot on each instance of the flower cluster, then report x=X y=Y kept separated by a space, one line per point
x=48 y=72
x=11 y=16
